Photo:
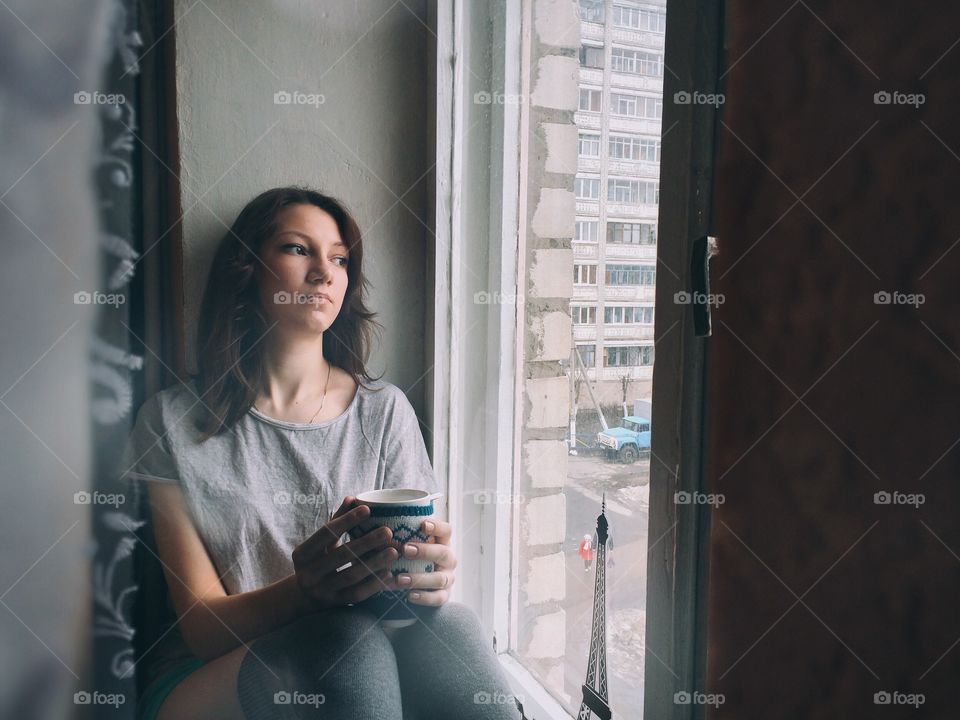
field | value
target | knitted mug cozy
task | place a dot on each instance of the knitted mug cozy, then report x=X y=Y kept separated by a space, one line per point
x=405 y=521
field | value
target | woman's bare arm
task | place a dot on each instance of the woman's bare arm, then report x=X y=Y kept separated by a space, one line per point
x=213 y=622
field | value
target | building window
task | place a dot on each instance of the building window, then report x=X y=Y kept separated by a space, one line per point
x=628 y=356
x=632 y=233
x=591 y=56
x=633 y=192
x=635 y=62
x=638 y=19
x=587 y=188
x=620 y=274
x=583 y=314
x=628 y=315
x=588 y=355
x=634 y=147
x=589 y=145
x=584 y=274
x=587 y=231
x=638 y=106
x=591 y=10
x=590 y=100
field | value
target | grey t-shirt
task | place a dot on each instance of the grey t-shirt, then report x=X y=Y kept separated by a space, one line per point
x=257 y=491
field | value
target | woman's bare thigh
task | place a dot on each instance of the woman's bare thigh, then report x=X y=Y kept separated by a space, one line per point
x=208 y=693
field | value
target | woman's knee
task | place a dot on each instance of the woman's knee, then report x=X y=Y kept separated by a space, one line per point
x=341 y=656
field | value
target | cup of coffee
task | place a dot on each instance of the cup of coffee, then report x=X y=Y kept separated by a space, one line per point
x=403 y=510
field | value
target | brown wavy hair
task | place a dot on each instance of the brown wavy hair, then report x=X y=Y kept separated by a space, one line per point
x=232 y=323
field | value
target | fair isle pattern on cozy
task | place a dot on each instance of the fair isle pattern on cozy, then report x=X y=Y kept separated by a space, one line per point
x=405 y=522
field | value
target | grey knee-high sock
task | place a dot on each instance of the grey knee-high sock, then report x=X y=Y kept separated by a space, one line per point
x=335 y=665
x=448 y=668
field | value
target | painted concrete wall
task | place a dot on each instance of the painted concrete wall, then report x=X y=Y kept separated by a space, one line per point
x=364 y=141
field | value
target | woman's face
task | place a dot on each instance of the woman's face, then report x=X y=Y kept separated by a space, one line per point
x=303 y=278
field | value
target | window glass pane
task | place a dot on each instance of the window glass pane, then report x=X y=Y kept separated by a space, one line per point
x=609 y=371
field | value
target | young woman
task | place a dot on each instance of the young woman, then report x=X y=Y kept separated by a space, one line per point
x=252 y=473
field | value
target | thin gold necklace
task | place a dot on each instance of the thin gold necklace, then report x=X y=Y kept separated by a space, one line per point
x=323 y=399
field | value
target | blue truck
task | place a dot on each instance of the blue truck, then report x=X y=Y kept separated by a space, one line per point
x=627 y=442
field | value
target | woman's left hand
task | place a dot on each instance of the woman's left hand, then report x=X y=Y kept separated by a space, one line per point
x=432 y=588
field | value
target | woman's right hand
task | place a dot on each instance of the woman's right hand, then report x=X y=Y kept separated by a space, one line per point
x=316 y=560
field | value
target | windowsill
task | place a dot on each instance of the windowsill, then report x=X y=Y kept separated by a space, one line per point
x=538 y=704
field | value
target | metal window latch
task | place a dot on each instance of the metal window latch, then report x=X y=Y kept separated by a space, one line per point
x=703 y=249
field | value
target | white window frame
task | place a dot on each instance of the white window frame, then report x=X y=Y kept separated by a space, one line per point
x=592 y=140
x=480 y=244
x=599 y=93
x=580 y=223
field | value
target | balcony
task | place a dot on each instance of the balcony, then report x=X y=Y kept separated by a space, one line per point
x=594 y=31
x=591 y=121
x=585 y=293
x=628 y=251
x=588 y=207
x=630 y=331
x=635 y=38
x=646 y=211
x=586 y=331
x=589 y=164
x=633 y=168
x=622 y=123
x=586 y=251
x=638 y=293
x=630 y=81
x=593 y=76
